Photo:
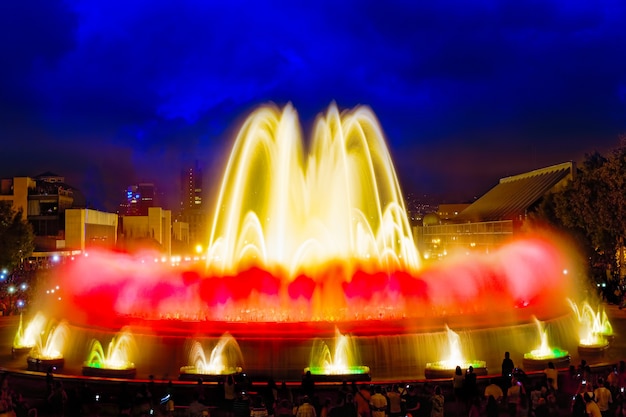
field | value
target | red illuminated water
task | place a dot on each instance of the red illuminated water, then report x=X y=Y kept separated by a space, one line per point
x=113 y=289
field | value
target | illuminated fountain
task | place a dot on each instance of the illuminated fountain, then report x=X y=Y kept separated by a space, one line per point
x=26 y=338
x=595 y=329
x=445 y=368
x=48 y=353
x=225 y=359
x=304 y=242
x=343 y=364
x=116 y=363
x=539 y=358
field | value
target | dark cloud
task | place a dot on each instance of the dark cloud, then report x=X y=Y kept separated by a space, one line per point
x=112 y=92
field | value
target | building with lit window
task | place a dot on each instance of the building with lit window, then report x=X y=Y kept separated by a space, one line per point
x=138 y=199
x=495 y=217
x=193 y=210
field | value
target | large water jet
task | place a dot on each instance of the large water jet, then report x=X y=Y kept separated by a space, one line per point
x=304 y=242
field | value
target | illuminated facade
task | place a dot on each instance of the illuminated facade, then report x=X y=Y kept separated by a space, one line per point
x=495 y=217
x=86 y=228
x=154 y=231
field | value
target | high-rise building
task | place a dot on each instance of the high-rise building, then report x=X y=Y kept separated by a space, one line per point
x=192 y=207
x=191 y=188
x=138 y=199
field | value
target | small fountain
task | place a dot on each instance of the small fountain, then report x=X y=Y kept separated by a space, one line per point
x=342 y=365
x=26 y=338
x=446 y=368
x=49 y=354
x=225 y=359
x=538 y=358
x=595 y=330
x=116 y=363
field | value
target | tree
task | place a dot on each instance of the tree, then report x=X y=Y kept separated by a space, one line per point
x=16 y=237
x=593 y=207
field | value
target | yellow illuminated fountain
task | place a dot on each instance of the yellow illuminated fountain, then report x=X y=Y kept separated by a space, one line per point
x=595 y=330
x=48 y=350
x=305 y=241
x=116 y=362
x=538 y=358
x=26 y=337
x=225 y=359
x=343 y=364
x=445 y=368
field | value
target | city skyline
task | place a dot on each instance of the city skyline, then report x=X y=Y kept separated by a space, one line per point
x=109 y=94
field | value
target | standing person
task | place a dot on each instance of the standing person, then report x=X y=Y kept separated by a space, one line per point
x=411 y=401
x=437 y=401
x=470 y=386
x=349 y=407
x=457 y=387
x=362 y=399
x=591 y=408
x=578 y=407
x=241 y=405
x=230 y=389
x=507 y=370
x=308 y=385
x=258 y=408
x=378 y=403
x=552 y=376
x=603 y=397
x=143 y=400
x=514 y=397
x=493 y=408
x=305 y=409
x=493 y=390
x=395 y=402
x=325 y=410
x=474 y=410
x=58 y=399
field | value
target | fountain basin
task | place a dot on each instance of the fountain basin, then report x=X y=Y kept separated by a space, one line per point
x=191 y=373
x=351 y=373
x=128 y=372
x=20 y=350
x=560 y=358
x=44 y=364
x=443 y=369
x=596 y=349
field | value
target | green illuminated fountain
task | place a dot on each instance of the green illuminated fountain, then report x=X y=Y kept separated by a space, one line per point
x=445 y=368
x=538 y=358
x=343 y=364
x=116 y=362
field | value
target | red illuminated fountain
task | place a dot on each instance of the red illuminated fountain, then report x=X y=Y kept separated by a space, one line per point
x=304 y=245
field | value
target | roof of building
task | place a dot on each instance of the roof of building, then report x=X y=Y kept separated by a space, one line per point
x=47 y=174
x=512 y=196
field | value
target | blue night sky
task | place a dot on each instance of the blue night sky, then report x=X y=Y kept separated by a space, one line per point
x=109 y=93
